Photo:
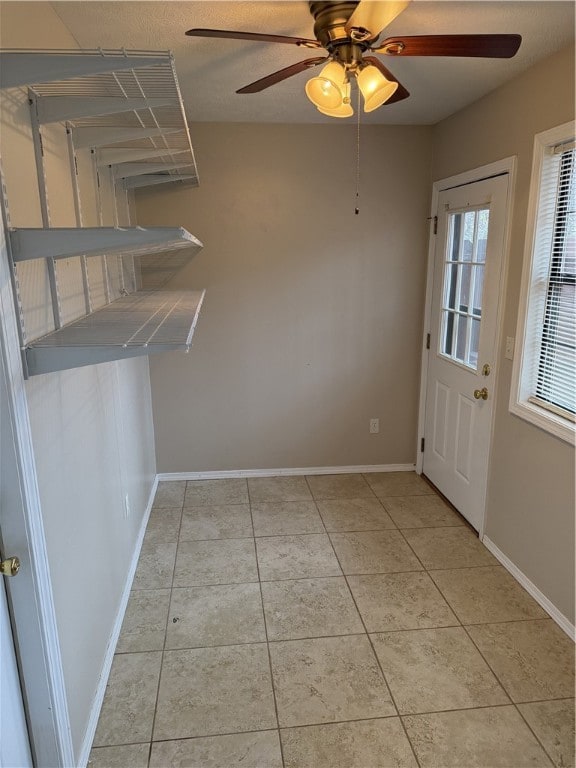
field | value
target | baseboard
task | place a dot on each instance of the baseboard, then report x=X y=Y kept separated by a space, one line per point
x=532 y=589
x=114 y=634
x=231 y=473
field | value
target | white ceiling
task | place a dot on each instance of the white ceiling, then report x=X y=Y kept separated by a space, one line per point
x=210 y=70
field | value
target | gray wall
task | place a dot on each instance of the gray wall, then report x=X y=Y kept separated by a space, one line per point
x=313 y=315
x=91 y=427
x=530 y=512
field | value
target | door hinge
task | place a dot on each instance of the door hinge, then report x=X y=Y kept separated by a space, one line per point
x=422 y=441
x=427 y=341
x=435 y=225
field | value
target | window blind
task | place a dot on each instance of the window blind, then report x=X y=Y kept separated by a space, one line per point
x=555 y=282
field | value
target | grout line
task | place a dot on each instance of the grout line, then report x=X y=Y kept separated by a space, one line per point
x=215 y=735
x=493 y=706
x=165 y=636
x=392 y=699
x=509 y=621
x=196 y=507
x=513 y=703
x=533 y=732
x=502 y=621
x=266 y=633
x=341 y=722
x=457 y=709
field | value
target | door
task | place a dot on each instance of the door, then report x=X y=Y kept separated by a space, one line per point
x=463 y=340
x=14 y=744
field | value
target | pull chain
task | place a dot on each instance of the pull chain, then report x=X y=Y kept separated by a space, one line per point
x=357 y=208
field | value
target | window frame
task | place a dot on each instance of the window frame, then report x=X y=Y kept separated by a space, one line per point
x=523 y=401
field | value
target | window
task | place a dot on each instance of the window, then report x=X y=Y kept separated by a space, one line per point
x=463 y=281
x=544 y=376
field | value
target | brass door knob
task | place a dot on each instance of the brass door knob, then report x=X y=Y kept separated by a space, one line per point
x=10 y=566
x=481 y=394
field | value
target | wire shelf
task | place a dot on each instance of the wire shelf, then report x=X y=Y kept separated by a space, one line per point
x=145 y=80
x=142 y=323
x=64 y=242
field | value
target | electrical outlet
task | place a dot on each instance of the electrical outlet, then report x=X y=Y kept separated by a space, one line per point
x=126 y=506
x=509 y=350
x=374 y=426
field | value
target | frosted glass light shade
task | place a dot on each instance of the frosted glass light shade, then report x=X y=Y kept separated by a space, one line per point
x=345 y=109
x=375 y=88
x=325 y=91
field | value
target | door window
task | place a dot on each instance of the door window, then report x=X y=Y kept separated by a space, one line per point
x=464 y=263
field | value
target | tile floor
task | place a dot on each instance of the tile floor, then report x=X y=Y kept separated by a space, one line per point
x=334 y=621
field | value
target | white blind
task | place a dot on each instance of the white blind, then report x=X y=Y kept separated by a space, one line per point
x=554 y=283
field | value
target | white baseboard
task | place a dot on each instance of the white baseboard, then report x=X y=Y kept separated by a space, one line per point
x=114 y=634
x=231 y=473
x=532 y=589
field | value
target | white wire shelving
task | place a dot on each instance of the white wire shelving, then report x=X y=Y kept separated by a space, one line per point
x=65 y=242
x=126 y=108
x=126 y=105
x=142 y=323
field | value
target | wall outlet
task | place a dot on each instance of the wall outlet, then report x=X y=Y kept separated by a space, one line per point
x=374 y=426
x=509 y=350
x=126 y=506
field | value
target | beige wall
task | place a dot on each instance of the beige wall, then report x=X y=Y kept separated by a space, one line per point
x=313 y=315
x=530 y=514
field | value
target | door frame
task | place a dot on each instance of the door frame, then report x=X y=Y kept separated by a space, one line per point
x=505 y=166
x=30 y=596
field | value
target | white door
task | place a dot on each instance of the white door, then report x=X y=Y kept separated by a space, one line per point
x=14 y=744
x=463 y=330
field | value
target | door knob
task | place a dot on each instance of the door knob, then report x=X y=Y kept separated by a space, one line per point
x=481 y=394
x=10 y=566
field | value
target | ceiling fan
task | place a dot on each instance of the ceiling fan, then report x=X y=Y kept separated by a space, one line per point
x=349 y=31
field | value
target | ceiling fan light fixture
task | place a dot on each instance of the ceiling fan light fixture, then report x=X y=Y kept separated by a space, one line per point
x=326 y=90
x=345 y=109
x=375 y=88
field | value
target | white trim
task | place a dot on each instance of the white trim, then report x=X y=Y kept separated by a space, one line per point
x=506 y=165
x=38 y=645
x=532 y=589
x=231 y=473
x=519 y=404
x=113 y=641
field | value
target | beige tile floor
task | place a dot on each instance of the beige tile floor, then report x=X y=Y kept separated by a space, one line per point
x=335 y=621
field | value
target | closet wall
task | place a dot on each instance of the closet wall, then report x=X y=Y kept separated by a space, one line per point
x=91 y=427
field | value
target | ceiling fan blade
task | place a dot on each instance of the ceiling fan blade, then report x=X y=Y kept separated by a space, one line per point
x=401 y=92
x=373 y=16
x=281 y=74
x=255 y=36
x=490 y=46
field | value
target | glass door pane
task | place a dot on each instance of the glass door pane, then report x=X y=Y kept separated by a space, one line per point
x=463 y=284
